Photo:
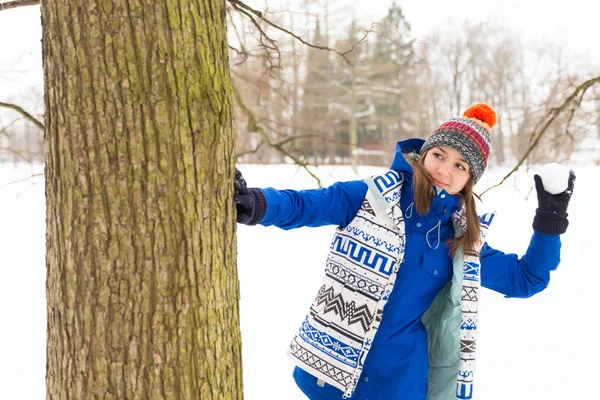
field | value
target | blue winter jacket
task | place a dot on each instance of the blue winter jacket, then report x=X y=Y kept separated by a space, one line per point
x=397 y=364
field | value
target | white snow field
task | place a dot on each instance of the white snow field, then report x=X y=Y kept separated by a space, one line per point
x=537 y=348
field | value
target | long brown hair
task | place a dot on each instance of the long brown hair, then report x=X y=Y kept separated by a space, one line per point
x=423 y=193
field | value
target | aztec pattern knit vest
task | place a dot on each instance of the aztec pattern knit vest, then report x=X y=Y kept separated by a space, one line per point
x=365 y=256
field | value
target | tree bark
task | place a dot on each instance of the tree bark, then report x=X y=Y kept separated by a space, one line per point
x=142 y=288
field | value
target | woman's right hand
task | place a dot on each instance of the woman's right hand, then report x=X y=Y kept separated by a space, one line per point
x=250 y=203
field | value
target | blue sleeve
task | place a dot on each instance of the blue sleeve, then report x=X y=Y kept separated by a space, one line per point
x=335 y=205
x=521 y=277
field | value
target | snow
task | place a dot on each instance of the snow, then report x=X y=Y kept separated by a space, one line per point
x=22 y=284
x=555 y=178
x=554 y=354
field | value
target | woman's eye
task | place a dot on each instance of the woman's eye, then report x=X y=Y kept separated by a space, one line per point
x=437 y=155
x=461 y=167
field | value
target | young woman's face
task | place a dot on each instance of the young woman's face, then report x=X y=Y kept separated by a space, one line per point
x=448 y=168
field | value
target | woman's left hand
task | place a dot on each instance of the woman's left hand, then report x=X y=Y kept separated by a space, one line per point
x=551 y=215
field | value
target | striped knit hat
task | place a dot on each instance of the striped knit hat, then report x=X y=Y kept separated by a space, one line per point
x=469 y=135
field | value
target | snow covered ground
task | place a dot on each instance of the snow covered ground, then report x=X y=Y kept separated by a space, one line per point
x=553 y=356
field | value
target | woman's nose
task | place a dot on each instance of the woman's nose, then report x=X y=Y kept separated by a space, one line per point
x=443 y=171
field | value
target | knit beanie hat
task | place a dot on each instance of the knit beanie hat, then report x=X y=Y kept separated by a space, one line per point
x=469 y=135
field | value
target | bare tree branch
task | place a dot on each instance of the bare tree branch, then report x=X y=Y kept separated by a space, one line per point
x=254 y=127
x=247 y=10
x=240 y=53
x=24 y=113
x=5 y=128
x=276 y=145
x=18 y=3
x=22 y=180
x=550 y=117
x=243 y=52
x=264 y=47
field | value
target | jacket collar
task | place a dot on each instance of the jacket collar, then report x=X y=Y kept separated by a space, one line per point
x=406 y=146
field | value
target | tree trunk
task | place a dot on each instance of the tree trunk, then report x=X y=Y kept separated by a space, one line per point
x=331 y=140
x=353 y=127
x=499 y=142
x=296 y=86
x=142 y=288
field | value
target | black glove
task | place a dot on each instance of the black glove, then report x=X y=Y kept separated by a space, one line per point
x=250 y=203
x=551 y=215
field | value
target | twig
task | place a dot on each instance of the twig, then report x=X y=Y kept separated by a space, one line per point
x=238 y=5
x=22 y=180
x=552 y=115
x=24 y=113
x=254 y=151
x=4 y=130
x=243 y=52
x=276 y=144
x=240 y=53
x=572 y=114
x=254 y=127
x=18 y=3
x=263 y=35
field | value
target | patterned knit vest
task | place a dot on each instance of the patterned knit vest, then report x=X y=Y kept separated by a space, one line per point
x=365 y=256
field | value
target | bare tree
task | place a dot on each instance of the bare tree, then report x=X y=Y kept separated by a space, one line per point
x=568 y=108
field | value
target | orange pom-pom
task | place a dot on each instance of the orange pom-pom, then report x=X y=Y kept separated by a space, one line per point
x=482 y=112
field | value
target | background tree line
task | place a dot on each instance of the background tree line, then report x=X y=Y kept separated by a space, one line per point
x=357 y=90
x=303 y=104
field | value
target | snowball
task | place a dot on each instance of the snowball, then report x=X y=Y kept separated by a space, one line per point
x=555 y=178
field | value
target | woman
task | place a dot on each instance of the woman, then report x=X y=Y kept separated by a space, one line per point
x=396 y=316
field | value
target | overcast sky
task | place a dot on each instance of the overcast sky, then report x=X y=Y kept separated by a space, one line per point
x=573 y=23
